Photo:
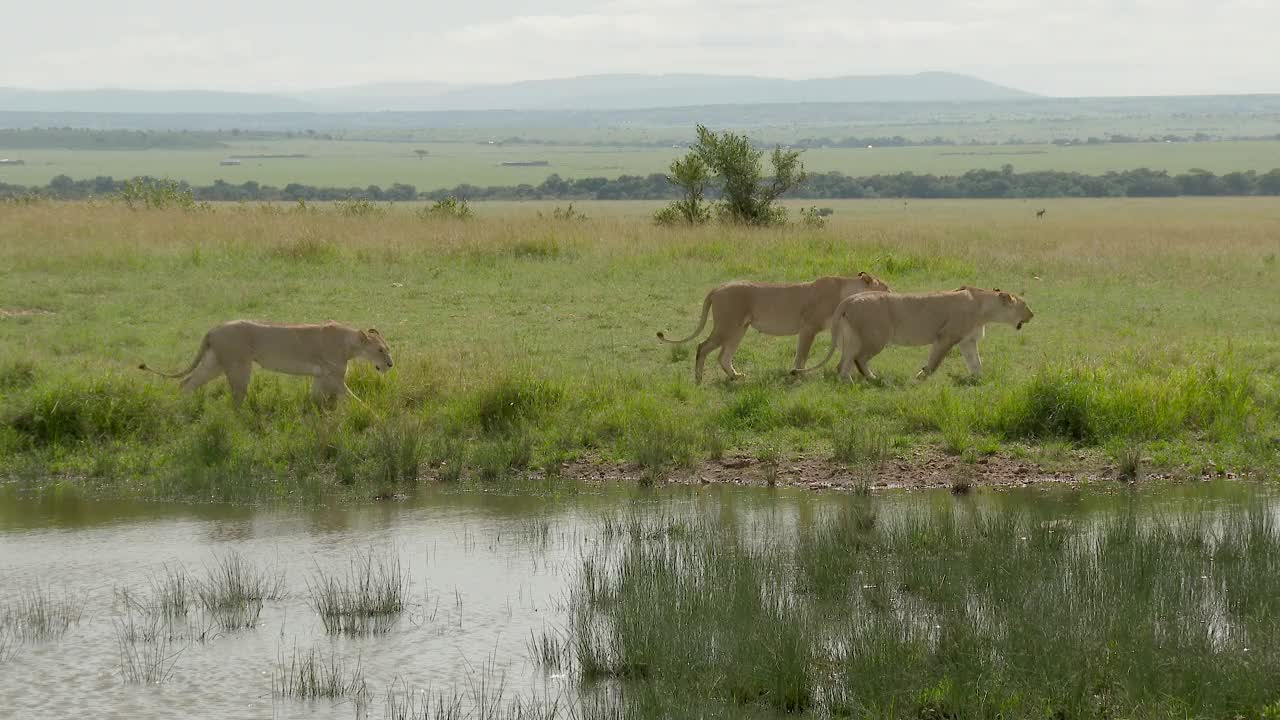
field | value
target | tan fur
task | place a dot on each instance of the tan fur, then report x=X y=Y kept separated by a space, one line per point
x=318 y=351
x=863 y=325
x=803 y=309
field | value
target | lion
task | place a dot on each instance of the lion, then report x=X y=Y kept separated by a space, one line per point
x=319 y=351
x=803 y=309
x=865 y=324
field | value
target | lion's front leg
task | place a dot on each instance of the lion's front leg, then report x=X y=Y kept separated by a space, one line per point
x=969 y=349
x=327 y=388
x=937 y=353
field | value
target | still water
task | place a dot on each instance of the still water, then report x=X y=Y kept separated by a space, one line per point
x=485 y=572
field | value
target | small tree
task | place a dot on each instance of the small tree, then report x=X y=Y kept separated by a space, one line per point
x=421 y=153
x=691 y=175
x=748 y=197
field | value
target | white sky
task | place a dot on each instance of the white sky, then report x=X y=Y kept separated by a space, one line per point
x=1055 y=47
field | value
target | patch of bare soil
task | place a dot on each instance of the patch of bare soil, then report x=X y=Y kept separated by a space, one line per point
x=22 y=312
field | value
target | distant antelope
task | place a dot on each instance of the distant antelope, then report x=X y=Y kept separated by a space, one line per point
x=1040 y=213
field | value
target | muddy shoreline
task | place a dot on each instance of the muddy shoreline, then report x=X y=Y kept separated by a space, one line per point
x=923 y=470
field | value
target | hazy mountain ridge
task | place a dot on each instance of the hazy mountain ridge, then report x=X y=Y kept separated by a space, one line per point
x=596 y=92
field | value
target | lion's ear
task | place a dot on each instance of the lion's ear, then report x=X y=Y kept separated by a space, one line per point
x=1006 y=297
x=862 y=274
x=373 y=331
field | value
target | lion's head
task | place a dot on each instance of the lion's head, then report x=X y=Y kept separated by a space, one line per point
x=374 y=349
x=872 y=283
x=1012 y=309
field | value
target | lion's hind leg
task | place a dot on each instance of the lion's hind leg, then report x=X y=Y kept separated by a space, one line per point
x=238 y=376
x=850 y=350
x=803 y=345
x=207 y=369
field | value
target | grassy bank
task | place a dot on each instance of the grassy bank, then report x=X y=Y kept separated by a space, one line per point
x=524 y=342
x=947 y=613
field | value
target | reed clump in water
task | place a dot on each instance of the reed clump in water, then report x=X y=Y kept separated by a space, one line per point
x=314 y=675
x=368 y=597
x=37 y=614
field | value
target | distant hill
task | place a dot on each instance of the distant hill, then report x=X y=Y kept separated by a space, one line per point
x=596 y=92
x=373 y=97
x=630 y=92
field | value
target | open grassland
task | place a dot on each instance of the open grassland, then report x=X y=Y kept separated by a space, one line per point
x=523 y=343
x=359 y=164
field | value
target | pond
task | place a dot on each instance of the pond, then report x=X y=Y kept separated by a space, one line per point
x=484 y=574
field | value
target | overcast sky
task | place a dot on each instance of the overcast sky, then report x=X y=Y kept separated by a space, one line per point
x=1055 y=47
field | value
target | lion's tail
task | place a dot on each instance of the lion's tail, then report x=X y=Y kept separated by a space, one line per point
x=204 y=347
x=706 y=309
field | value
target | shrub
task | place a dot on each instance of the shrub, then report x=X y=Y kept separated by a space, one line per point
x=812 y=217
x=153 y=194
x=357 y=207
x=448 y=208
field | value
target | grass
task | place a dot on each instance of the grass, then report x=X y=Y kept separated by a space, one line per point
x=36 y=614
x=314 y=675
x=404 y=703
x=148 y=648
x=9 y=645
x=550 y=650
x=941 y=612
x=484 y=700
x=234 y=583
x=507 y=361
x=1129 y=462
x=368 y=598
x=859 y=444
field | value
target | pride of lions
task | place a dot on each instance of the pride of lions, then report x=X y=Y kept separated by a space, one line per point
x=863 y=314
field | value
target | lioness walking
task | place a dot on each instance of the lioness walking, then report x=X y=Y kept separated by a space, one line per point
x=319 y=351
x=864 y=325
x=803 y=309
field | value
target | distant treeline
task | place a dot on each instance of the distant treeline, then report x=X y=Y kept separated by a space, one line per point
x=68 y=138
x=1003 y=183
x=900 y=141
x=873 y=141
